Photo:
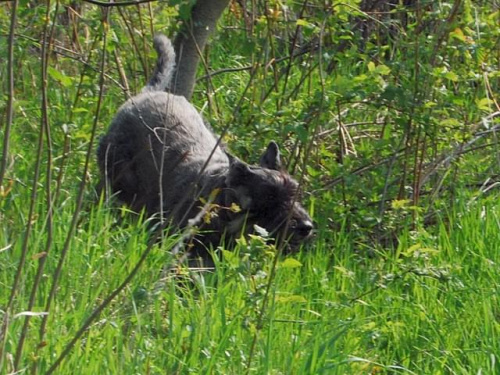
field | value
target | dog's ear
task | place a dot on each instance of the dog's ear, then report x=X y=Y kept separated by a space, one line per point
x=239 y=172
x=271 y=157
x=239 y=180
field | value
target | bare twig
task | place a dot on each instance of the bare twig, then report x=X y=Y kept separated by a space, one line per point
x=361 y=170
x=118 y=4
x=294 y=42
x=67 y=137
x=303 y=51
x=10 y=102
x=445 y=159
x=75 y=56
x=46 y=128
x=132 y=32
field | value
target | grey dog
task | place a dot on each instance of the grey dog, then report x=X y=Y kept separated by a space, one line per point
x=159 y=156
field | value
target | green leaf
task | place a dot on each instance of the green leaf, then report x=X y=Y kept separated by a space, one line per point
x=301 y=22
x=292 y=298
x=452 y=76
x=185 y=11
x=80 y=110
x=484 y=104
x=231 y=258
x=400 y=203
x=458 y=34
x=411 y=250
x=60 y=77
x=290 y=263
x=382 y=69
x=418 y=249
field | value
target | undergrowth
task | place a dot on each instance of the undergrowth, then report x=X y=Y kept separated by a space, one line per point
x=387 y=114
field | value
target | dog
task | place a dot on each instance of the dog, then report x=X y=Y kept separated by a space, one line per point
x=159 y=156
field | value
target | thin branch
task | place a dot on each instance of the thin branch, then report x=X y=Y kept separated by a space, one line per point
x=360 y=170
x=294 y=42
x=10 y=103
x=445 y=160
x=77 y=57
x=119 y=4
x=304 y=51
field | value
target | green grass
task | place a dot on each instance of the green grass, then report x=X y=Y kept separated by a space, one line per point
x=430 y=306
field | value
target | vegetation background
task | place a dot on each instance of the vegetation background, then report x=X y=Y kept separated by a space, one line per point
x=387 y=112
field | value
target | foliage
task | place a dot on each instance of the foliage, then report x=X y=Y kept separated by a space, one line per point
x=386 y=113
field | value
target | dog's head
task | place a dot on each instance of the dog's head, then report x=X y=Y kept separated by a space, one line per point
x=268 y=197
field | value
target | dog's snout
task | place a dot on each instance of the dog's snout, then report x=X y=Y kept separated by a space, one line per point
x=304 y=228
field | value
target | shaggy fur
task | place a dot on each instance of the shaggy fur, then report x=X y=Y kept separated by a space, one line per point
x=159 y=156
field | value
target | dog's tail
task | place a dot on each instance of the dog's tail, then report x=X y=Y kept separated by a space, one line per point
x=165 y=65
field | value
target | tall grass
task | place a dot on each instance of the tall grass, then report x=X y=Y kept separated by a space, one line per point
x=429 y=306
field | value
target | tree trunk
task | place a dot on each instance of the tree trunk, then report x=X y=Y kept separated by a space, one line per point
x=191 y=41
